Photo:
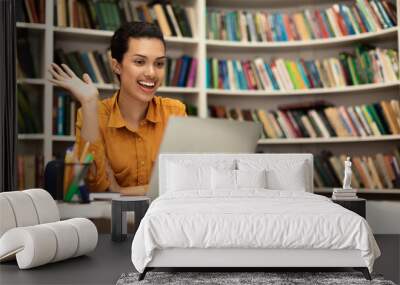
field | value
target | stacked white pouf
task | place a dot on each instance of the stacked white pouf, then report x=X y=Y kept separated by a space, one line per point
x=31 y=231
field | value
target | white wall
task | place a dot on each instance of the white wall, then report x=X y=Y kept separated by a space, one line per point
x=384 y=216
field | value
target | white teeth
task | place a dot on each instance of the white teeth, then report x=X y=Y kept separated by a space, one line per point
x=148 y=84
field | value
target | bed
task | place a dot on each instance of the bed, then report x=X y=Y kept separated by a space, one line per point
x=247 y=210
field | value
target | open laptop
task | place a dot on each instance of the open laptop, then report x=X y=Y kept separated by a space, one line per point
x=196 y=135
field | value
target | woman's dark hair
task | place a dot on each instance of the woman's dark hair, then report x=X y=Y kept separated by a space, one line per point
x=120 y=39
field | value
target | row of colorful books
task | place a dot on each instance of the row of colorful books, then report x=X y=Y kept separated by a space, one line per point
x=336 y=21
x=30 y=170
x=320 y=119
x=64 y=114
x=181 y=71
x=172 y=18
x=30 y=111
x=96 y=64
x=366 y=65
x=379 y=171
x=30 y=11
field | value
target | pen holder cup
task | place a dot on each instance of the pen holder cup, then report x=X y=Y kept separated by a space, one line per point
x=74 y=174
x=54 y=177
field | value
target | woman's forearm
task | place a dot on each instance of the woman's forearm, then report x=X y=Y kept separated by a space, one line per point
x=90 y=126
x=134 y=190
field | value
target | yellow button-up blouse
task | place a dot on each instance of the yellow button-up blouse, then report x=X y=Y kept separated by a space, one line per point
x=131 y=154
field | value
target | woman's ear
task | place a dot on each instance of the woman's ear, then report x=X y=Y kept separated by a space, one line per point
x=115 y=66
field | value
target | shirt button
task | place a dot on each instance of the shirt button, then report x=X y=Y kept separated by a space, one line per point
x=142 y=162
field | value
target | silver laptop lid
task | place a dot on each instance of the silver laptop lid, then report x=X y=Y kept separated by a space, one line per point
x=196 y=135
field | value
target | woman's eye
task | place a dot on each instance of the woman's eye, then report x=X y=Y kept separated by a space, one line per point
x=140 y=62
x=160 y=64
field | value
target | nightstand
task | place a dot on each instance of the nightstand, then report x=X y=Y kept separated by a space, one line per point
x=119 y=207
x=356 y=205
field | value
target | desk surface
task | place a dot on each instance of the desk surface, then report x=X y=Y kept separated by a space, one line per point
x=92 y=210
x=102 y=266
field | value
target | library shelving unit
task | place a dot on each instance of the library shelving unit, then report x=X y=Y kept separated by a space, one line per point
x=200 y=96
x=72 y=39
x=318 y=48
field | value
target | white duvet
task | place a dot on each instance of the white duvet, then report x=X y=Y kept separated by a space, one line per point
x=250 y=218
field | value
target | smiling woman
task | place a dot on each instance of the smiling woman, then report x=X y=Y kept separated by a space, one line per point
x=124 y=131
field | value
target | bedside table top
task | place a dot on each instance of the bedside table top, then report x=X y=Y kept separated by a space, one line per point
x=349 y=200
x=131 y=198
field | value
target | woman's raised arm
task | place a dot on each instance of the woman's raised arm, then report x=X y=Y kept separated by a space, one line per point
x=85 y=92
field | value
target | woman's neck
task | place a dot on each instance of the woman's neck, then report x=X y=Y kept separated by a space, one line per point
x=132 y=110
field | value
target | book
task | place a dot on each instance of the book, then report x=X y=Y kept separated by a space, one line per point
x=64 y=114
x=30 y=171
x=30 y=110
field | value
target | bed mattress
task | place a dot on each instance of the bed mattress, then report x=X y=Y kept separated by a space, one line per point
x=251 y=219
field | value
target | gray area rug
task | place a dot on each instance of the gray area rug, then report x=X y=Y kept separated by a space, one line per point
x=269 y=278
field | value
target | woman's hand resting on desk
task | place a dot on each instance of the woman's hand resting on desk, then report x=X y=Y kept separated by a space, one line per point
x=127 y=191
x=83 y=90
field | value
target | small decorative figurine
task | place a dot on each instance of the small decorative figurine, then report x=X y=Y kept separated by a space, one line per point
x=347 y=174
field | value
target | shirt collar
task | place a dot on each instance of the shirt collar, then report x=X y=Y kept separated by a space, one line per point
x=153 y=112
x=117 y=121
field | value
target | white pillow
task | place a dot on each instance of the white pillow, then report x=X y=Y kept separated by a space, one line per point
x=223 y=179
x=281 y=174
x=251 y=178
x=296 y=181
x=181 y=177
x=228 y=179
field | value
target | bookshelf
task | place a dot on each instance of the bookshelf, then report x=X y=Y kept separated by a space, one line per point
x=51 y=37
x=201 y=47
x=305 y=49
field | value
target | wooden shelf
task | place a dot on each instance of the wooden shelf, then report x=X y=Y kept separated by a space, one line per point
x=329 y=140
x=63 y=138
x=30 y=136
x=293 y=141
x=32 y=81
x=112 y=87
x=83 y=32
x=298 y=92
x=78 y=33
x=33 y=26
x=361 y=191
x=171 y=89
x=181 y=40
x=295 y=45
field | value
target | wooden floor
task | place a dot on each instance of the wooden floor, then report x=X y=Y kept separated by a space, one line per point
x=110 y=260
